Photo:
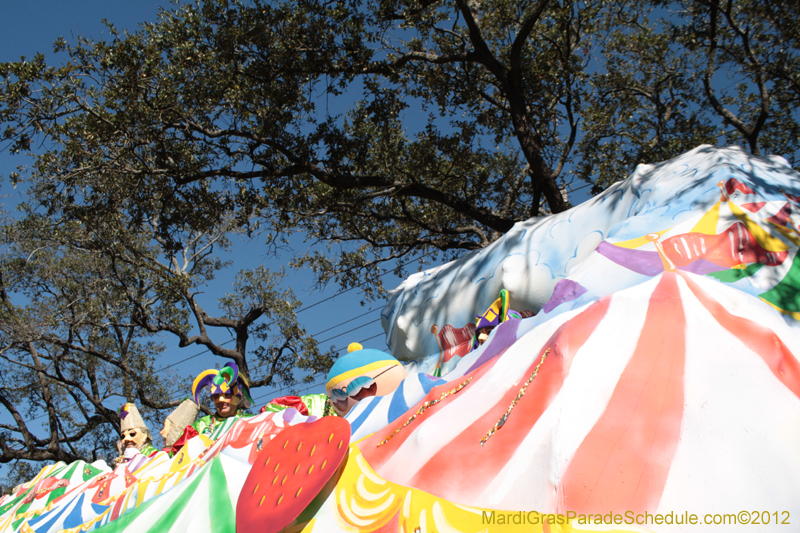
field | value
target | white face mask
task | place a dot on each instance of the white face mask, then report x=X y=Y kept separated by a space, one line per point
x=134 y=437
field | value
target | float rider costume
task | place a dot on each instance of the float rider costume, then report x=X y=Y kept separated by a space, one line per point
x=176 y=423
x=496 y=314
x=227 y=380
x=130 y=419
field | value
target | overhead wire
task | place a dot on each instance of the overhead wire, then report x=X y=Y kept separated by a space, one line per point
x=350 y=330
x=301 y=309
x=191 y=357
x=581 y=187
x=271 y=393
x=345 y=322
x=360 y=284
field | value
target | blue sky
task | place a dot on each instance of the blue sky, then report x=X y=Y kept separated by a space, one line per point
x=30 y=27
x=33 y=25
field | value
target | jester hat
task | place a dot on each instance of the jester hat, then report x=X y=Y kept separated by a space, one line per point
x=497 y=313
x=224 y=381
x=357 y=363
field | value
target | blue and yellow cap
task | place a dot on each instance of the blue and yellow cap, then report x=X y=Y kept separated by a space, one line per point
x=357 y=363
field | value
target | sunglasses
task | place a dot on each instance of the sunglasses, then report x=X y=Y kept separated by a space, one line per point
x=356 y=388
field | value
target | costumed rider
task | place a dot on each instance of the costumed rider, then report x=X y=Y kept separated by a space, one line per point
x=135 y=441
x=175 y=424
x=497 y=313
x=230 y=393
x=360 y=374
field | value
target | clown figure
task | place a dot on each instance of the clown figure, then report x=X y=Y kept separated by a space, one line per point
x=360 y=374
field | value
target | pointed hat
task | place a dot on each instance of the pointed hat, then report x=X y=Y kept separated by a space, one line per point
x=129 y=417
x=183 y=415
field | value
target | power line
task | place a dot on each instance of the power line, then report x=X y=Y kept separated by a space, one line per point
x=304 y=309
x=365 y=340
x=319 y=342
x=349 y=331
x=271 y=393
x=359 y=285
x=345 y=322
x=581 y=187
x=300 y=310
x=286 y=387
x=191 y=357
x=314 y=384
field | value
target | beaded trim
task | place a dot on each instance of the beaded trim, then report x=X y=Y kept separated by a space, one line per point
x=520 y=394
x=423 y=407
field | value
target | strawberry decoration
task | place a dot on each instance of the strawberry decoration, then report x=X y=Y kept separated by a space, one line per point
x=289 y=472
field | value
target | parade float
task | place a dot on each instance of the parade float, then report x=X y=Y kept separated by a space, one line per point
x=652 y=372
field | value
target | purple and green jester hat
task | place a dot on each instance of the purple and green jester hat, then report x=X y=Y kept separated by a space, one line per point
x=497 y=313
x=223 y=381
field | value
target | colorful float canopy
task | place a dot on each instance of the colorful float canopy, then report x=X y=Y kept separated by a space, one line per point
x=660 y=378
